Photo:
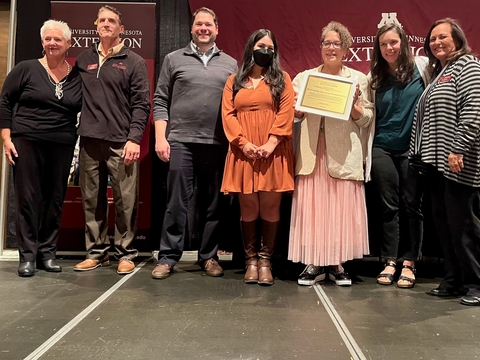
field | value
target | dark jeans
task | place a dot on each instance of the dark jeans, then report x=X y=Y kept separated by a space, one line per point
x=397 y=182
x=463 y=212
x=204 y=164
x=40 y=178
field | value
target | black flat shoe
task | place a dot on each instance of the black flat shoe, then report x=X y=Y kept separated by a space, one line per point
x=470 y=300
x=51 y=265
x=26 y=269
x=449 y=292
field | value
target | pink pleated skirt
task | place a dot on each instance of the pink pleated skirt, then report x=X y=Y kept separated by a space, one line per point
x=329 y=217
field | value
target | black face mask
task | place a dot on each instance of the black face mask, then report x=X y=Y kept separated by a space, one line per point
x=263 y=57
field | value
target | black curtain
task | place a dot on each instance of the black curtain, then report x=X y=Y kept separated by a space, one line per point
x=173 y=28
x=30 y=18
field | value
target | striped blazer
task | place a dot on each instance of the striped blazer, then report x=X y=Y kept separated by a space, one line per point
x=451 y=120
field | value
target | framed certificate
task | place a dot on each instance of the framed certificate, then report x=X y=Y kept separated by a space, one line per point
x=326 y=95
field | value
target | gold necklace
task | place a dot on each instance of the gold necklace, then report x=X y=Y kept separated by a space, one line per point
x=58 y=85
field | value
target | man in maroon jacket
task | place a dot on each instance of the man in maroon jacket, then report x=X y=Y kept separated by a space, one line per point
x=115 y=110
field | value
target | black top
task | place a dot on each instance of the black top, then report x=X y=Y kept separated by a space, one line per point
x=116 y=96
x=29 y=107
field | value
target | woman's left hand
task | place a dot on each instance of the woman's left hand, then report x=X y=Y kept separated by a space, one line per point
x=357 y=111
x=264 y=151
x=455 y=162
x=356 y=94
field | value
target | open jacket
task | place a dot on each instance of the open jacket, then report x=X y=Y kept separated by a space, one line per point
x=346 y=141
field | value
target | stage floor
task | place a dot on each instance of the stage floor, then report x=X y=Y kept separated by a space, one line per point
x=101 y=315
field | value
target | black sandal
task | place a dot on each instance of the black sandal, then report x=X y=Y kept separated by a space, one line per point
x=388 y=277
x=411 y=281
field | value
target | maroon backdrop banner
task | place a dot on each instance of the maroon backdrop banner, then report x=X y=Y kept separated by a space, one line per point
x=139 y=34
x=298 y=25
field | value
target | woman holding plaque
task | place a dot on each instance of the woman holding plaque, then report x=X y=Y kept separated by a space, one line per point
x=257 y=111
x=329 y=221
x=398 y=79
x=38 y=114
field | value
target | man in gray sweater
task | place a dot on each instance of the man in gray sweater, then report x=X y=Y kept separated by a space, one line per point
x=188 y=101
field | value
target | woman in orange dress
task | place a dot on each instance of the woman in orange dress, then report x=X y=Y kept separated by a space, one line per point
x=257 y=113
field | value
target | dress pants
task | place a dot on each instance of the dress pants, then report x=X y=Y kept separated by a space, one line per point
x=397 y=182
x=436 y=185
x=463 y=212
x=189 y=162
x=98 y=160
x=40 y=178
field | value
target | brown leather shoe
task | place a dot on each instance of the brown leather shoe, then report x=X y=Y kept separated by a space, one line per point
x=162 y=271
x=251 y=271
x=212 y=268
x=265 y=276
x=90 y=264
x=125 y=266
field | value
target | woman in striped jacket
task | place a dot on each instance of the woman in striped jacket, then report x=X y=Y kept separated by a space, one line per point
x=447 y=139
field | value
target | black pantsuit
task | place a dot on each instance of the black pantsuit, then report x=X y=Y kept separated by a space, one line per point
x=190 y=162
x=40 y=180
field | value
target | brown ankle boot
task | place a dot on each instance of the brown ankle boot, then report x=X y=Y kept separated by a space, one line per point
x=250 y=243
x=251 y=271
x=269 y=237
x=265 y=276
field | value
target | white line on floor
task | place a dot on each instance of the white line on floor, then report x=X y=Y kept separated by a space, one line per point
x=42 y=349
x=350 y=342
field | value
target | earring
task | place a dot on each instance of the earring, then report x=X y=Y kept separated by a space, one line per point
x=43 y=51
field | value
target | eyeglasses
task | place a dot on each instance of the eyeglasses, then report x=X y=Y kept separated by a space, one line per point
x=335 y=44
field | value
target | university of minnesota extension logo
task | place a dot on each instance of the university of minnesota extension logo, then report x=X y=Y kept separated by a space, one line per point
x=389 y=18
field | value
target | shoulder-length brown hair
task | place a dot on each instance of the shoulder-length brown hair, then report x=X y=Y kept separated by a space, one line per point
x=405 y=61
x=459 y=38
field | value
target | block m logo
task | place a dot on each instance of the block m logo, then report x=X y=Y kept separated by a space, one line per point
x=389 y=18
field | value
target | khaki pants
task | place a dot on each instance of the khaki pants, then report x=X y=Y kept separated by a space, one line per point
x=98 y=159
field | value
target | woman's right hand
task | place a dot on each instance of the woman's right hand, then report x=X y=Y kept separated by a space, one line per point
x=250 y=151
x=10 y=151
x=298 y=114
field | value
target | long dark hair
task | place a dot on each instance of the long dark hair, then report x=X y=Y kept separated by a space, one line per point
x=273 y=76
x=459 y=38
x=405 y=61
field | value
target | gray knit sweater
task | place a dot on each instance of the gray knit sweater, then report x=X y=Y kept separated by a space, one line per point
x=189 y=95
